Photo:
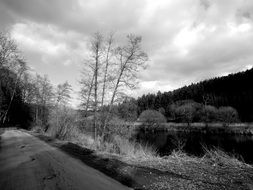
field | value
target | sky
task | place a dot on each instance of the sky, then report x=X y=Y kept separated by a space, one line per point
x=186 y=40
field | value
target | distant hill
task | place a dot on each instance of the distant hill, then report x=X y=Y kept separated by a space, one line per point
x=234 y=90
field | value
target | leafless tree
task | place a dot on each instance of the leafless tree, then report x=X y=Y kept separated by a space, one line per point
x=9 y=54
x=87 y=83
x=44 y=97
x=108 y=52
x=96 y=47
x=63 y=93
x=131 y=59
x=20 y=72
x=12 y=61
x=90 y=81
x=115 y=68
x=29 y=88
x=59 y=113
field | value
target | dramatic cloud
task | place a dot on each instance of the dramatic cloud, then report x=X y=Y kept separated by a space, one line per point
x=186 y=40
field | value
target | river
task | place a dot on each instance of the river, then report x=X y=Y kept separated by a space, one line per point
x=194 y=143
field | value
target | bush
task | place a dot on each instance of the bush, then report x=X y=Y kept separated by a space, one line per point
x=152 y=117
x=209 y=114
x=61 y=120
x=228 y=115
x=117 y=126
x=187 y=111
x=190 y=111
x=133 y=149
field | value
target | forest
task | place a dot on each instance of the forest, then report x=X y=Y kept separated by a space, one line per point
x=26 y=99
x=233 y=93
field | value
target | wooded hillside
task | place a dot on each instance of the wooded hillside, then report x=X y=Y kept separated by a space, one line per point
x=235 y=90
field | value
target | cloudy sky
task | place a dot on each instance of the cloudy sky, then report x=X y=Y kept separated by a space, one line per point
x=186 y=40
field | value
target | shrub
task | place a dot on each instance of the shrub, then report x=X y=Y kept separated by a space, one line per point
x=152 y=117
x=120 y=127
x=188 y=111
x=228 y=114
x=128 y=149
x=162 y=110
x=133 y=149
x=61 y=121
x=209 y=114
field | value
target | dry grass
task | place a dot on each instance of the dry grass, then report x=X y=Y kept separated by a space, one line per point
x=134 y=150
x=218 y=157
x=125 y=149
x=215 y=170
x=118 y=145
x=80 y=138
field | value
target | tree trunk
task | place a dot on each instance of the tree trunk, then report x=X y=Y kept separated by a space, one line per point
x=89 y=94
x=95 y=96
x=106 y=69
x=111 y=103
x=12 y=97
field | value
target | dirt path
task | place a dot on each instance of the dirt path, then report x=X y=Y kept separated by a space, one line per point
x=28 y=163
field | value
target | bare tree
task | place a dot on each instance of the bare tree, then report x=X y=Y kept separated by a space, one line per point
x=59 y=113
x=21 y=70
x=131 y=59
x=44 y=98
x=63 y=93
x=14 y=67
x=109 y=43
x=87 y=83
x=90 y=81
x=29 y=88
x=97 y=52
x=9 y=53
x=120 y=69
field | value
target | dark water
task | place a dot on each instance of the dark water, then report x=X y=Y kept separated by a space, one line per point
x=240 y=146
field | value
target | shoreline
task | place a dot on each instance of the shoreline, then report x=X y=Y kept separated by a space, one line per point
x=235 y=128
x=215 y=170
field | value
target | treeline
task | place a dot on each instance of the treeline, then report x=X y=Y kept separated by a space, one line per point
x=13 y=109
x=25 y=99
x=234 y=90
x=186 y=111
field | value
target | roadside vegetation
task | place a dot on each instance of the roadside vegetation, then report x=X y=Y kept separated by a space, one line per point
x=140 y=167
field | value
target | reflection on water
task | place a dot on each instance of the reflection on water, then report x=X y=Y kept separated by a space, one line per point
x=193 y=143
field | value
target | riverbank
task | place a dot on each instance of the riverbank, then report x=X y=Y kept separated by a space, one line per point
x=215 y=170
x=233 y=128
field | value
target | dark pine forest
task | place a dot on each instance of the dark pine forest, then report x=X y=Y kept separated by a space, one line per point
x=234 y=90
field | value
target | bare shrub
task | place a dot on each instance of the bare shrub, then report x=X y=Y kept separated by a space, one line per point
x=209 y=114
x=61 y=121
x=152 y=117
x=228 y=114
x=129 y=149
x=120 y=127
x=80 y=138
x=217 y=157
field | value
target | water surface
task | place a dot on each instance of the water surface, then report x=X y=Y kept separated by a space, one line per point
x=192 y=143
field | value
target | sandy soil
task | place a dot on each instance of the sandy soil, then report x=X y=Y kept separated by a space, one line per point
x=29 y=163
